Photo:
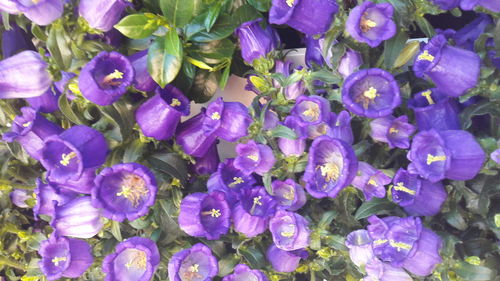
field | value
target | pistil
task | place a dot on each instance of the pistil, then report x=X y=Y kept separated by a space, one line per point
x=427 y=95
x=431 y=158
x=400 y=187
x=57 y=260
x=109 y=79
x=214 y=213
x=256 y=202
x=66 y=158
x=426 y=56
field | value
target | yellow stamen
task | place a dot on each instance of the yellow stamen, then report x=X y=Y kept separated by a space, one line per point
x=256 y=201
x=400 y=245
x=215 y=116
x=426 y=56
x=66 y=158
x=330 y=171
x=312 y=111
x=379 y=242
x=57 y=260
x=253 y=157
x=289 y=233
x=431 y=158
x=366 y=24
x=138 y=261
x=194 y=268
x=133 y=188
x=290 y=3
x=393 y=130
x=35 y=1
x=371 y=93
x=108 y=79
x=236 y=180
x=427 y=95
x=372 y=182
x=290 y=195
x=25 y=125
x=400 y=187
x=175 y=102
x=214 y=213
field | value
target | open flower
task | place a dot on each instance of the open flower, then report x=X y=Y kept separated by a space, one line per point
x=371 y=23
x=371 y=181
x=256 y=42
x=134 y=259
x=252 y=213
x=289 y=194
x=227 y=120
x=254 y=158
x=41 y=12
x=244 y=273
x=285 y=261
x=48 y=197
x=191 y=136
x=434 y=110
x=102 y=14
x=394 y=131
x=124 y=191
x=77 y=218
x=311 y=110
x=359 y=243
x=289 y=230
x=195 y=263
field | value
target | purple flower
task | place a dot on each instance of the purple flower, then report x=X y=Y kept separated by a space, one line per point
x=48 y=196
x=31 y=129
x=205 y=215
x=426 y=254
x=293 y=147
x=84 y=184
x=77 y=218
x=244 y=273
x=227 y=120
x=371 y=181
x=124 y=191
x=417 y=196
x=495 y=156
x=394 y=131
x=349 y=63
x=446 y=4
x=285 y=261
x=142 y=80
x=289 y=194
x=46 y=103
x=290 y=231
x=9 y=6
x=434 y=110
x=256 y=42
x=371 y=23
x=18 y=197
x=105 y=78
x=381 y=271
x=254 y=158
x=136 y=258
x=271 y=120
x=195 y=263
x=307 y=17
x=331 y=166
x=371 y=93
x=15 y=40
x=208 y=163
x=158 y=116
x=360 y=247
x=466 y=36
x=62 y=85
x=15 y=69
x=252 y=213
x=492 y=5
x=311 y=110
x=314 y=52
x=294 y=90
x=191 y=136
x=452 y=154
x=339 y=126
x=453 y=70
x=64 y=257
x=67 y=155
x=102 y=14
x=41 y=12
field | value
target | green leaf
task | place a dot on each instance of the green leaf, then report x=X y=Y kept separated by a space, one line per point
x=245 y=13
x=425 y=26
x=165 y=58
x=227 y=264
x=115 y=230
x=67 y=110
x=474 y=272
x=393 y=47
x=212 y=15
x=373 y=207
x=133 y=151
x=222 y=28
x=254 y=257
x=121 y=116
x=261 y=5
x=178 y=12
x=225 y=77
x=137 y=26
x=171 y=164
x=481 y=108
x=58 y=45
x=204 y=86
x=281 y=131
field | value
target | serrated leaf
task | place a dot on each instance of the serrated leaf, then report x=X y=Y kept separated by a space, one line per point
x=137 y=26
x=373 y=207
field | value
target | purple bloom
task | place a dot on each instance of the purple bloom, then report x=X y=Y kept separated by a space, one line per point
x=453 y=70
x=158 y=116
x=252 y=213
x=64 y=257
x=15 y=40
x=142 y=80
x=18 y=197
x=244 y=273
x=205 y=215
x=434 y=110
x=285 y=261
x=466 y=36
x=339 y=126
x=62 y=85
x=46 y=103
x=426 y=254
x=294 y=90
x=289 y=194
x=492 y=5
x=332 y=166
x=360 y=247
x=371 y=93
x=195 y=263
x=271 y=120
x=290 y=231
x=9 y=6
x=227 y=120
x=208 y=163
x=67 y=155
x=293 y=147
x=311 y=110
x=105 y=78
x=77 y=218
x=102 y=14
x=381 y=271
x=256 y=42
x=191 y=136
x=314 y=52
x=349 y=63
x=41 y=12
x=446 y=4
x=31 y=129
x=452 y=154
x=371 y=181
x=134 y=259
x=495 y=156
x=15 y=69
x=254 y=158
x=307 y=17
x=371 y=23
x=48 y=196
x=394 y=131
x=124 y=191
x=84 y=184
x=417 y=196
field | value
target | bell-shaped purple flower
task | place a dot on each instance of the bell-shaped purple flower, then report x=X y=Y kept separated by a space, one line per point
x=158 y=116
x=102 y=14
x=46 y=103
x=293 y=147
x=244 y=273
x=311 y=110
x=331 y=167
x=195 y=263
x=31 y=129
x=371 y=23
x=124 y=191
x=205 y=215
x=64 y=257
x=84 y=184
x=292 y=91
x=208 y=163
x=290 y=195
x=285 y=261
x=314 y=52
x=191 y=136
x=492 y=5
x=77 y=218
x=381 y=271
x=394 y=131
x=309 y=17
x=349 y=63
x=252 y=213
x=18 y=197
x=453 y=70
x=466 y=36
x=426 y=254
x=105 y=78
x=67 y=155
x=42 y=12
x=290 y=230
x=371 y=181
x=15 y=40
x=62 y=85
x=359 y=243
x=434 y=110
x=446 y=4
x=452 y=154
x=142 y=80
x=256 y=42
x=48 y=196
x=254 y=158
x=417 y=196
x=495 y=156
x=15 y=69
x=9 y=6
x=371 y=93
x=339 y=127
x=227 y=120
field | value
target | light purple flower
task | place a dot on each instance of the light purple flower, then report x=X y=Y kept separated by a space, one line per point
x=252 y=213
x=371 y=181
x=311 y=110
x=359 y=243
x=290 y=195
x=290 y=231
x=394 y=131
x=77 y=218
x=285 y=261
x=254 y=158
x=349 y=63
x=244 y=273
x=195 y=263
x=102 y=14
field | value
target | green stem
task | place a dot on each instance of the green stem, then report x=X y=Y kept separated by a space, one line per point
x=10 y=263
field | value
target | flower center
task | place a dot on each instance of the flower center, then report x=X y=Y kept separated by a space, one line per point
x=290 y=194
x=431 y=158
x=312 y=111
x=426 y=56
x=427 y=95
x=290 y=232
x=192 y=272
x=215 y=116
x=253 y=157
x=66 y=158
x=256 y=202
x=109 y=79
x=329 y=171
x=290 y=3
x=35 y=1
x=236 y=180
x=139 y=260
x=133 y=188
x=366 y=24
x=399 y=245
x=194 y=268
x=26 y=125
x=400 y=187
x=393 y=130
x=214 y=213
x=175 y=102
x=367 y=97
x=372 y=182
x=57 y=260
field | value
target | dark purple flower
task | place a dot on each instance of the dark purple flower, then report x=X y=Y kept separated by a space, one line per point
x=495 y=156
x=339 y=126
x=254 y=158
x=252 y=213
x=289 y=194
x=394 y=131
x=314 y=51
x=371 y=23
x=105 y=78
x=290 y=230
x=286 y=68
x=195 y=263
x=64 y=257
x=84 y=184
x=285 y=261
x=492 y=5
x=158 y=116
x=466 y=36
x=256 y=42
x=48 y=196
x=371 y=93
x=244 y=273
x=15 y=40
x=311 y=110
x=331 y=166
x=307 y=17
x=208 y=163
x=134 y=259
x=191 y=136
x=452 y=154
x=359 y=243
x=77 y=218
x=102 y=14
x=18 y=197
x=227 y=120
x=434 y=110
x=446 y=4
x=31 y=129
x=453 y=70
x=381 y=271
x=62 y=86
x=371 y=181
x=124 y=191
x=15 y=69
x=417 y=196
x=142 y=80
x=349 y=63
x=42 y=12
x=67 y=155
x=205 y=215
x=46 y=103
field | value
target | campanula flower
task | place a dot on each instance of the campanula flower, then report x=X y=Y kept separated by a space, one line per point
x=371 y=181
x=359 y=243
x=335 y=126
x=46 y=103
x=495 y=156
x=191 y=136
x=41 y=12
x=295 y=89
x=466 y=36
x=244 y=273
x=195 y=263
x=83 y=184
x=394 y=131
x=142 y=79
x=297 y=146
x=48 y=196
x=289 y=194
x=256 y=42
x=208 y=163
x=18 y=197
x=285 y=261
x=77 y=218
x=311 y=110
x=446 y=4
x=492 y=5
x=227 y=120
x=254 y=158
x=377 y=270
x=434 y=110
x=252 y=213
x=15 y=40
x=100 y=14
x=314 y=51
x=349 y=63
x=371 y=23
x=290 y=230
x=9 y=6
